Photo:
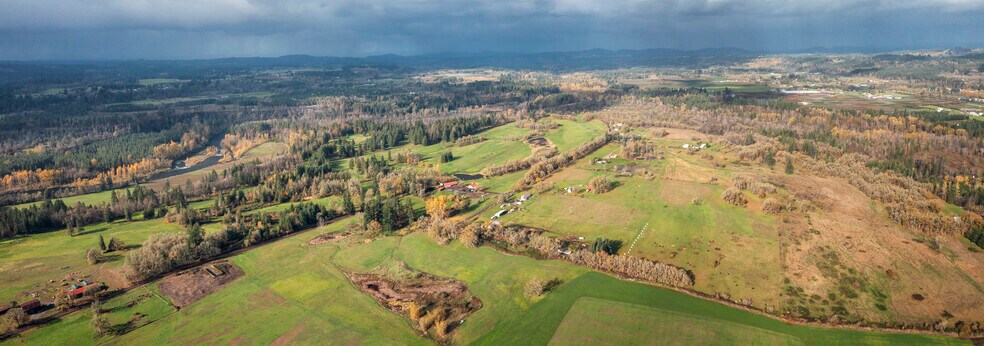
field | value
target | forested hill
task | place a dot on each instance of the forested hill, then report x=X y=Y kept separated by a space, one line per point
x=20 y=72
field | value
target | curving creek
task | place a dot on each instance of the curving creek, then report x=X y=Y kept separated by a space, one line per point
x=179 y=167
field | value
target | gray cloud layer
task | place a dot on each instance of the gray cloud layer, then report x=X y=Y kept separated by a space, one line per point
x=74 y=29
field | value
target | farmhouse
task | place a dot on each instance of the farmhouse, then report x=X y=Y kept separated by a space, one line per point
x=472 y=187
x=525 y=197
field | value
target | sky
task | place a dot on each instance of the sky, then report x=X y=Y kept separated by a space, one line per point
x=193 y=29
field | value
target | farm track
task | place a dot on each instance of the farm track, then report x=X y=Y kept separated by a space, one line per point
x=477 y=213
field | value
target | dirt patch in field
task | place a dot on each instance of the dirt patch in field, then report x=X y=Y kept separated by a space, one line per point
x=329 y=238
x=683 y=192
x=290 y=336
x=538 y=142
x=196 y=283
x=435 y=305
x=682 y=169
x=685 y=135
x=267 y=299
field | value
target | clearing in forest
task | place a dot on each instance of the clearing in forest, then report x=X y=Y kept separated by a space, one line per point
x=500 y=145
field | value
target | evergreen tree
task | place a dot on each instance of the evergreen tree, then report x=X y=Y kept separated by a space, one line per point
x=347 y=203
x=195 y=235
x=789 y=165
x=102 y=243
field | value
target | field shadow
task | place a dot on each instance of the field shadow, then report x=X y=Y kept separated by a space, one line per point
x=93 y=230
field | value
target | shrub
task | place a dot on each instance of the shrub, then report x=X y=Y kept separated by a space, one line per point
x=741 y=182
x=441 y=328
x=535 y=288
x=762 y=189
x=447 y=157
x=734 y=196
x=470 y=236
x=92 y=256
x=414 y=311
x=601 y=184
x=771 y=206
x=18 y=317
x=115 y=244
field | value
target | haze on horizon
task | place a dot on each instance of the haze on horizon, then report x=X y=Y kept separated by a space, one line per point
x=189 y=29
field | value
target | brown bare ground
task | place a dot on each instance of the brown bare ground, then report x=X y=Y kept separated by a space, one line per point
x=685 y=135
x=196 y=283
x=889 y=255
x=267 y=299
x=286 y=339
x=682 y=169
x=328 y=238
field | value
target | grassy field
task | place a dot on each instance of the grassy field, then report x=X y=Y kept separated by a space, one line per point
x=30 y=260
x=597 y=321
x=502 y=183
x=87 y=199
x=291 y=293
x=570 y=134
x=155 y=102
x=76 y=328
x=155 y=81
x=596 y=307
x=731 y=250
x=496 y=279
x=503 y=144
x=590 y=308
x=326 y=201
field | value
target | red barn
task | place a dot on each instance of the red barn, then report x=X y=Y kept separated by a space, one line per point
x=79 y=292
x=449 y=184
x=31 y=305
x=3 y=309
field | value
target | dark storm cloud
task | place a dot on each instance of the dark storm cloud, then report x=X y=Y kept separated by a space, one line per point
x=83 y=29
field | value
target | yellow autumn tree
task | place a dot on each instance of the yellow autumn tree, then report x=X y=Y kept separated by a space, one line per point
x=437 y=206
